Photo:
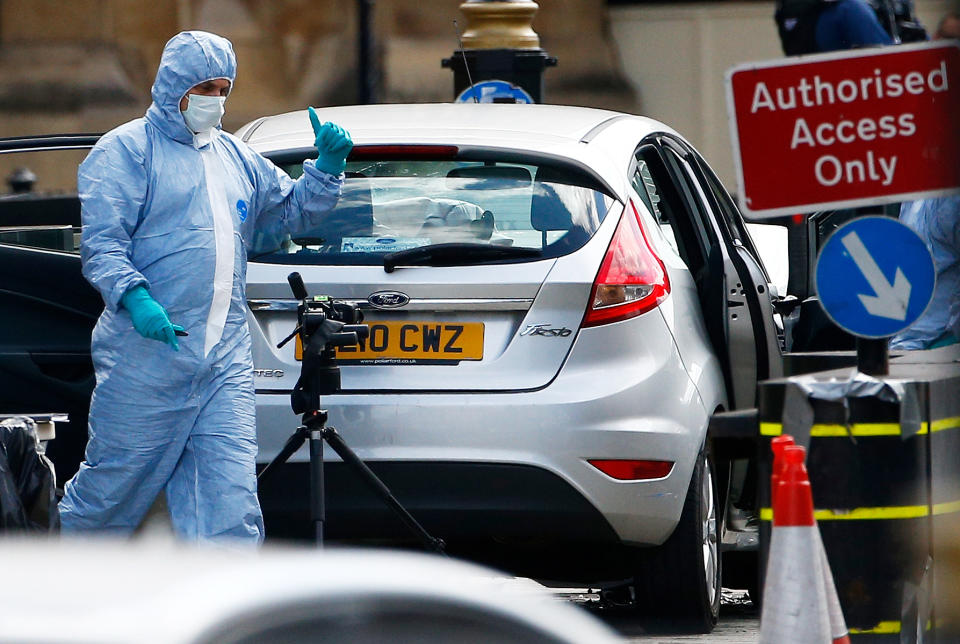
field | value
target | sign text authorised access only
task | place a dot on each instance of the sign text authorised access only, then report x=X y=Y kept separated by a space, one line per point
x=846 y=129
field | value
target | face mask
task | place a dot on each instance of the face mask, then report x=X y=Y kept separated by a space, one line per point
x=203 y=112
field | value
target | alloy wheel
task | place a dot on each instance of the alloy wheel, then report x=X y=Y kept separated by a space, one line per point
x=708 y=519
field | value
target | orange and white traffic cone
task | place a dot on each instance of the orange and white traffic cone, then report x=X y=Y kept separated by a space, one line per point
x=800 y=603
x=838 y=625
x=777 y=445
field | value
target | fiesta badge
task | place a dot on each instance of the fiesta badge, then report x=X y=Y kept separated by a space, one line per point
x=388 y=299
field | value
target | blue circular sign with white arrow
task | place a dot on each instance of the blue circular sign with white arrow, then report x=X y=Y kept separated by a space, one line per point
x=874 y=277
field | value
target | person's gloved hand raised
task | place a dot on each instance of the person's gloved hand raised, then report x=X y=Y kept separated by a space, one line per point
x=333 y=144
x=149 y=318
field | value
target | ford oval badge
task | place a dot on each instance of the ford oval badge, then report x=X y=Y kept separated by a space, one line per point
x=388 y=299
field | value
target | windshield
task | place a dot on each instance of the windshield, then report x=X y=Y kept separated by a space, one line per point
x=398 y=205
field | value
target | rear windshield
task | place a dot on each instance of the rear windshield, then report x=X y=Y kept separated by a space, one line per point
x=394 y=205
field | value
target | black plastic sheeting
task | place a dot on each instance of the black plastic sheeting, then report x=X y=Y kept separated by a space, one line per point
x=28 y=501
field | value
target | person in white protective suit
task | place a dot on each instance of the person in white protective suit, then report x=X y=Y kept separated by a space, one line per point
x=937 y=222
x=170 y=204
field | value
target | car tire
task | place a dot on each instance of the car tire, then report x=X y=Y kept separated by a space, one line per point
x=680 y=580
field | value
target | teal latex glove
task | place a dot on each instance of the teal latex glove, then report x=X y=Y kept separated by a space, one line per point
x=333 y=144
x=149 y=318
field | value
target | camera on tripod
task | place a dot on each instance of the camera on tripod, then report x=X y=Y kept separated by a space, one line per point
x=323 y=324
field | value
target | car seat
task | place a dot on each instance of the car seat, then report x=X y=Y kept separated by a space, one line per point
x=454 y=220
x=549 y=212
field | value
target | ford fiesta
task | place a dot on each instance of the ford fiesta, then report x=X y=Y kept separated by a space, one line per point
x=559 y=300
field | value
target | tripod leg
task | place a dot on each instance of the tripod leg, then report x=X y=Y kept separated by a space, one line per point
x=349 y=457
x=292 y=445
x=318 y=510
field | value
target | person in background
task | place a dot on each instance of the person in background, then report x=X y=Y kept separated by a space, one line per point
x=169 y=205
x=937 y=222
x=949 y=28
x=813 y=26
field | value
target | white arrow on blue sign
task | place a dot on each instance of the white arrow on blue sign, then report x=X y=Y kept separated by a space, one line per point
x=874 y=277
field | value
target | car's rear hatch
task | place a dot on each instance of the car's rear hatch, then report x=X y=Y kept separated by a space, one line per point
x=472 y=270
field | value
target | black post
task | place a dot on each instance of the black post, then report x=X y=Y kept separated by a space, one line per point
x=499 y=44
x=873 y=356
x=518 y=67
x=318 y=508
x=366 y=72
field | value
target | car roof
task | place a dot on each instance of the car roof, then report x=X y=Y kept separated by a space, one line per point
x=560 y=130
x=455 y=122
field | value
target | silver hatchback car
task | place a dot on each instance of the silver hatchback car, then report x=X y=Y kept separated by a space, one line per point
x=559 y=298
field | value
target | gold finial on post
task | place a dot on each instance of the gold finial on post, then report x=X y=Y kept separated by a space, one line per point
x=500 y=24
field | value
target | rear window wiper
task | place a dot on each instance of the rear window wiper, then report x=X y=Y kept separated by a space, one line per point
x=454 y=254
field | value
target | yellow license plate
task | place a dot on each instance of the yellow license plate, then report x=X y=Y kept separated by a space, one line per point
x=412 y=342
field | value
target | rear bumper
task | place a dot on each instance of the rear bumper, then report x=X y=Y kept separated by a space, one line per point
x=517 y=518
x=455 y=501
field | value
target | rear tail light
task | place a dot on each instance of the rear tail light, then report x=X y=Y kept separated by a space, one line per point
x=632 y=279
x=624 y=470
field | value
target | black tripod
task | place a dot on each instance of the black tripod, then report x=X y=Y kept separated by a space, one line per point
x=323 y=325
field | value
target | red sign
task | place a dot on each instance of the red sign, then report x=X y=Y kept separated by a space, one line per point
x=846 y=129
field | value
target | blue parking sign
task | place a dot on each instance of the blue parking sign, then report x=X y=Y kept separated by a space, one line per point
x=493 y=91
x=874 y=277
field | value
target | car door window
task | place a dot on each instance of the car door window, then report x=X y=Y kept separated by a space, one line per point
x=710 y=224
x=749 y=333
x=728 y=210
x=644 y=185
x=772 y=253
x=669 y=202
x=696 y=240
x=754 y=331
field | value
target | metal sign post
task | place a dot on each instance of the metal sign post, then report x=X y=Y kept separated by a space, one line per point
x=366 y=57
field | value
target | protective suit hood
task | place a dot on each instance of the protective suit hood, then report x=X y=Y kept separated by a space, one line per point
x=189 y=58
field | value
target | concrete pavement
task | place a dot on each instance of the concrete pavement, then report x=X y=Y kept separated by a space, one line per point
x=739 y=622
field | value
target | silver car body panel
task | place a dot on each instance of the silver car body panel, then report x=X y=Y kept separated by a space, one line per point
x=510 y=361
x=683 y=316
x=621 y=137
x=622 y=393
x=642 y=388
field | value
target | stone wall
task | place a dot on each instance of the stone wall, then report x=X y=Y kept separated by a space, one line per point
x=676 y=56
x=87 y=65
